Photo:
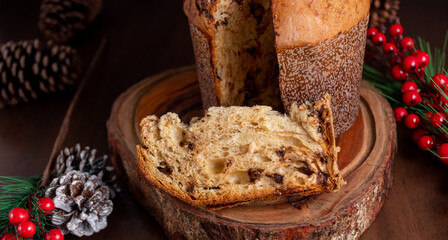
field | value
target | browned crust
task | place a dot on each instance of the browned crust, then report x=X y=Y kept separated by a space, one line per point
x=328 y=132
x=199 y=13
x=303 y=22
x=226 y=199
x=329 y=183
x=203 y=52
x=306 y=74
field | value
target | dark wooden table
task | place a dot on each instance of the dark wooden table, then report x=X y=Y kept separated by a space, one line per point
x=146 y=37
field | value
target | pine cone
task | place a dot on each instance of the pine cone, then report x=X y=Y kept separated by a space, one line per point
x=29 y=69
x=384 y=12
x=82 y=203
x=61 y=20
x=85 y=160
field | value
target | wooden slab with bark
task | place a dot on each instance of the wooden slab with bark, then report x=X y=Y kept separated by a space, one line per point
x=367 y=152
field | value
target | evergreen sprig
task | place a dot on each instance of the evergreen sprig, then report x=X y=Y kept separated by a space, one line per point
x=391 y=88
x=21 y=192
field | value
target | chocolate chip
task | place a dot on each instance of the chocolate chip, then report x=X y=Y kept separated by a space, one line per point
x=281 y=153
x=208 y=15
x=257 y=10
x=228 y=163
x=252 y=51
x=223 y=22
x=322 y=178
x=250 y=82
x=190 y=188
x=278 y=178
x=212 y=188
x=319 y=129
x=305 y=170
x=164 y=168
x=254 y=174
x=190 y=145
x=202 y=8
x=324 y=160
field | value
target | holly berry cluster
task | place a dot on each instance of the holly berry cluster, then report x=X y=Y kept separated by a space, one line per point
x=407 y=66
x=25 y=225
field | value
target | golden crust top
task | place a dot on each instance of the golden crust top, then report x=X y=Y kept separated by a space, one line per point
x=301 y=22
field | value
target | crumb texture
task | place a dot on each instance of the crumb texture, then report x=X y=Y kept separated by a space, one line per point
x=235 y=52
x=240 y=154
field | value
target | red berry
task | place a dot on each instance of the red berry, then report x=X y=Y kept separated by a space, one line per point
x=428 y=116
x=422 y=59
x=408 y=86
x=442 y=97
x=379 y=39
x=400 y=113
x=409 y=64
x=54 y=234
x=18 y=215
x=411 y=121
x=398 y=73
x=440 y=80
x=389 y=48
x=396 y=30
x=437 y=119
x=442 y=151
x=46 y=205
x=9 y=236
x=411 y=98
x=371 y=32
x=417 y=134
x=415 y=52
x=26 y=229
x=406 y=44
x=425 y=143
x=395 y=60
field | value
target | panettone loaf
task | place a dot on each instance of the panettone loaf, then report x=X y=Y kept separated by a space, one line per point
x=234 y=51
x=321 y=50
x=246 y=49
x=240 y=154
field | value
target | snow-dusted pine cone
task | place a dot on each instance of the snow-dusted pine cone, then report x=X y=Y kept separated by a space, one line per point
x=85 y=160
x=384 y=13
x=82 y=203
x=29 y=69
x=61 y=20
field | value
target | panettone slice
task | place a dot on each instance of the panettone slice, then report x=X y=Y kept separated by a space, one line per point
x=240 y=154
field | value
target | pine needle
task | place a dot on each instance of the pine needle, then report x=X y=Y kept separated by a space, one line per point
x=17 y=192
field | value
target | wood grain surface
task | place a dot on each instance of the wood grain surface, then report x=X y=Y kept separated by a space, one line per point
x=345 y=214
x=147 y=37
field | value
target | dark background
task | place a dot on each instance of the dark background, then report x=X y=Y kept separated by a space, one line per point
x=146 y=37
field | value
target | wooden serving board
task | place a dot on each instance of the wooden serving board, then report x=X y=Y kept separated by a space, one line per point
x=367 y=151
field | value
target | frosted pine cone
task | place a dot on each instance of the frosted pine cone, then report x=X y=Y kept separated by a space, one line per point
x=82 y=203
x=85 y=160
